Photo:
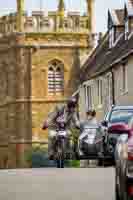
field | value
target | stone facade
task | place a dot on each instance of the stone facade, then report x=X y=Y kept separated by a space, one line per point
x=107 y=73
x=27 y=47
x=15 y=123
x=124 y=97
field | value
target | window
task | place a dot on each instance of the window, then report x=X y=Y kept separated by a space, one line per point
x=55 y=78
x=109 y=86
x=89 y=96
x=111 y=37
x=99 y=92
x=121 y=116
x=124 y=79
x=126 y=29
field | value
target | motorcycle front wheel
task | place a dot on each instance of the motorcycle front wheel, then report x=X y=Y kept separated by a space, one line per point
x=60 y=153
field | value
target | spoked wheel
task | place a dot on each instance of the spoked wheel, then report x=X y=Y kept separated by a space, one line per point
x=60 y=153
x=60 y=160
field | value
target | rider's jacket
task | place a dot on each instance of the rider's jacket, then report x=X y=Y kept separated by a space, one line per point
x=61 y=111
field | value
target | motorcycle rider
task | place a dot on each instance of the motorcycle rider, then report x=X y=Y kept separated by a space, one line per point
x=90 y=121
x=69 y=114
x=90 y=118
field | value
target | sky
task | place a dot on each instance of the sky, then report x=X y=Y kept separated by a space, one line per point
x=101 y=8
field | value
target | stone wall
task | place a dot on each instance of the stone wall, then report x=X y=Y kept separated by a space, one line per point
x=42 y=101
x=15 y=110
x=124 y=97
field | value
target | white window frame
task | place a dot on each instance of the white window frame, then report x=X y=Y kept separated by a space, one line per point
x=89 y=99
x=109 y=81
x=111 y=37
x=126 y=29
x=124 y=82
x=100 y=92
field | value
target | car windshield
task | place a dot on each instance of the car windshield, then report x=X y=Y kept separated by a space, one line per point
x=121 y=116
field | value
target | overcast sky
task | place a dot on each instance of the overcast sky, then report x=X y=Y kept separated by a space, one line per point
x=101 y=8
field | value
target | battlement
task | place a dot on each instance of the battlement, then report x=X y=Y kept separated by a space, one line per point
x=39 y=21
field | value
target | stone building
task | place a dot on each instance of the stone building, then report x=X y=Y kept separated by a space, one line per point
x=40 y=59
x=107 y=73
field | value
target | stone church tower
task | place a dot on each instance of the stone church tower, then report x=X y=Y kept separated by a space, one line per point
x=41 y=56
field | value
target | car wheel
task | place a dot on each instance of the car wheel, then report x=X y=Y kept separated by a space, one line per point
x=117 y=192
x=117 y=197
x=100 y=163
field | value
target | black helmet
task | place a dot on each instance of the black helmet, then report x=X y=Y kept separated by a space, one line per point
x=72 y=102
x=91 y=112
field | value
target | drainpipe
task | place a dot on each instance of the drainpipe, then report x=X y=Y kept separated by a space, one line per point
x=113 y=87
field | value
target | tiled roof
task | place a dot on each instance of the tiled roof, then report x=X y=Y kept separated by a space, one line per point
x=104 y=59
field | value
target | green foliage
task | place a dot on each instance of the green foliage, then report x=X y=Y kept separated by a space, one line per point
x=37 y=155
x=74 y=134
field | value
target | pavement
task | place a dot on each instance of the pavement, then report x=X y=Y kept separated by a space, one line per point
x=57 y=184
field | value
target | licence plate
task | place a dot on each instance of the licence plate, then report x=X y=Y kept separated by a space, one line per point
x=62 y=133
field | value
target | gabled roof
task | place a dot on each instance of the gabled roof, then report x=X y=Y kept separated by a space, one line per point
x=116 y=17
x=103 y=59
x=120 y=16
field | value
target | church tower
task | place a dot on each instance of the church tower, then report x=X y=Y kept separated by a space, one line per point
x=20 y=12
x=56 y=62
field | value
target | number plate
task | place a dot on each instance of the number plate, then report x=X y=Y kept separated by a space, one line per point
x=62 y=133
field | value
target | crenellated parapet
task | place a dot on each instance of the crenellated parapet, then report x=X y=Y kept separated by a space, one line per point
x=40 y=22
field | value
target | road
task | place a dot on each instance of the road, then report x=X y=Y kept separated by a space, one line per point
x=57 y=184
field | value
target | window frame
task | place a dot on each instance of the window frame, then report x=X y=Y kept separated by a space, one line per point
x=57 y=79
x=100 y=91
x=89 y=98
x=124 y=82
x=111 y=37
x=126 y=29
x=109 y=85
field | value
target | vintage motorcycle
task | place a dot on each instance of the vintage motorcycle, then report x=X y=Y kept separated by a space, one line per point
x=60 y=144
x=90 y=143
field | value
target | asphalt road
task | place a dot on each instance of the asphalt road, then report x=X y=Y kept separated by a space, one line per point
x=57 y=184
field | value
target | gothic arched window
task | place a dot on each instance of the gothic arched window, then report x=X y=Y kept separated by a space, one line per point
x=55 y=77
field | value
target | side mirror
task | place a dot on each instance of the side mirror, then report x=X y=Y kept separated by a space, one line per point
x=104 y=123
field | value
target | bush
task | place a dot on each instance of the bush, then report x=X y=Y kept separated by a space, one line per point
x=38 y=157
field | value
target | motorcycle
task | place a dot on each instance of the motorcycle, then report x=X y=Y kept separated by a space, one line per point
x=60 y=143
x=90 y=142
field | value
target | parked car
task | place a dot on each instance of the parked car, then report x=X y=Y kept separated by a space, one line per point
x=117 y=114
x=124 y=163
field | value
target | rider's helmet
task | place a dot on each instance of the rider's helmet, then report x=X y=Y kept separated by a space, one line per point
x=88 y=112
x=72 y=102
x=91 y=112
